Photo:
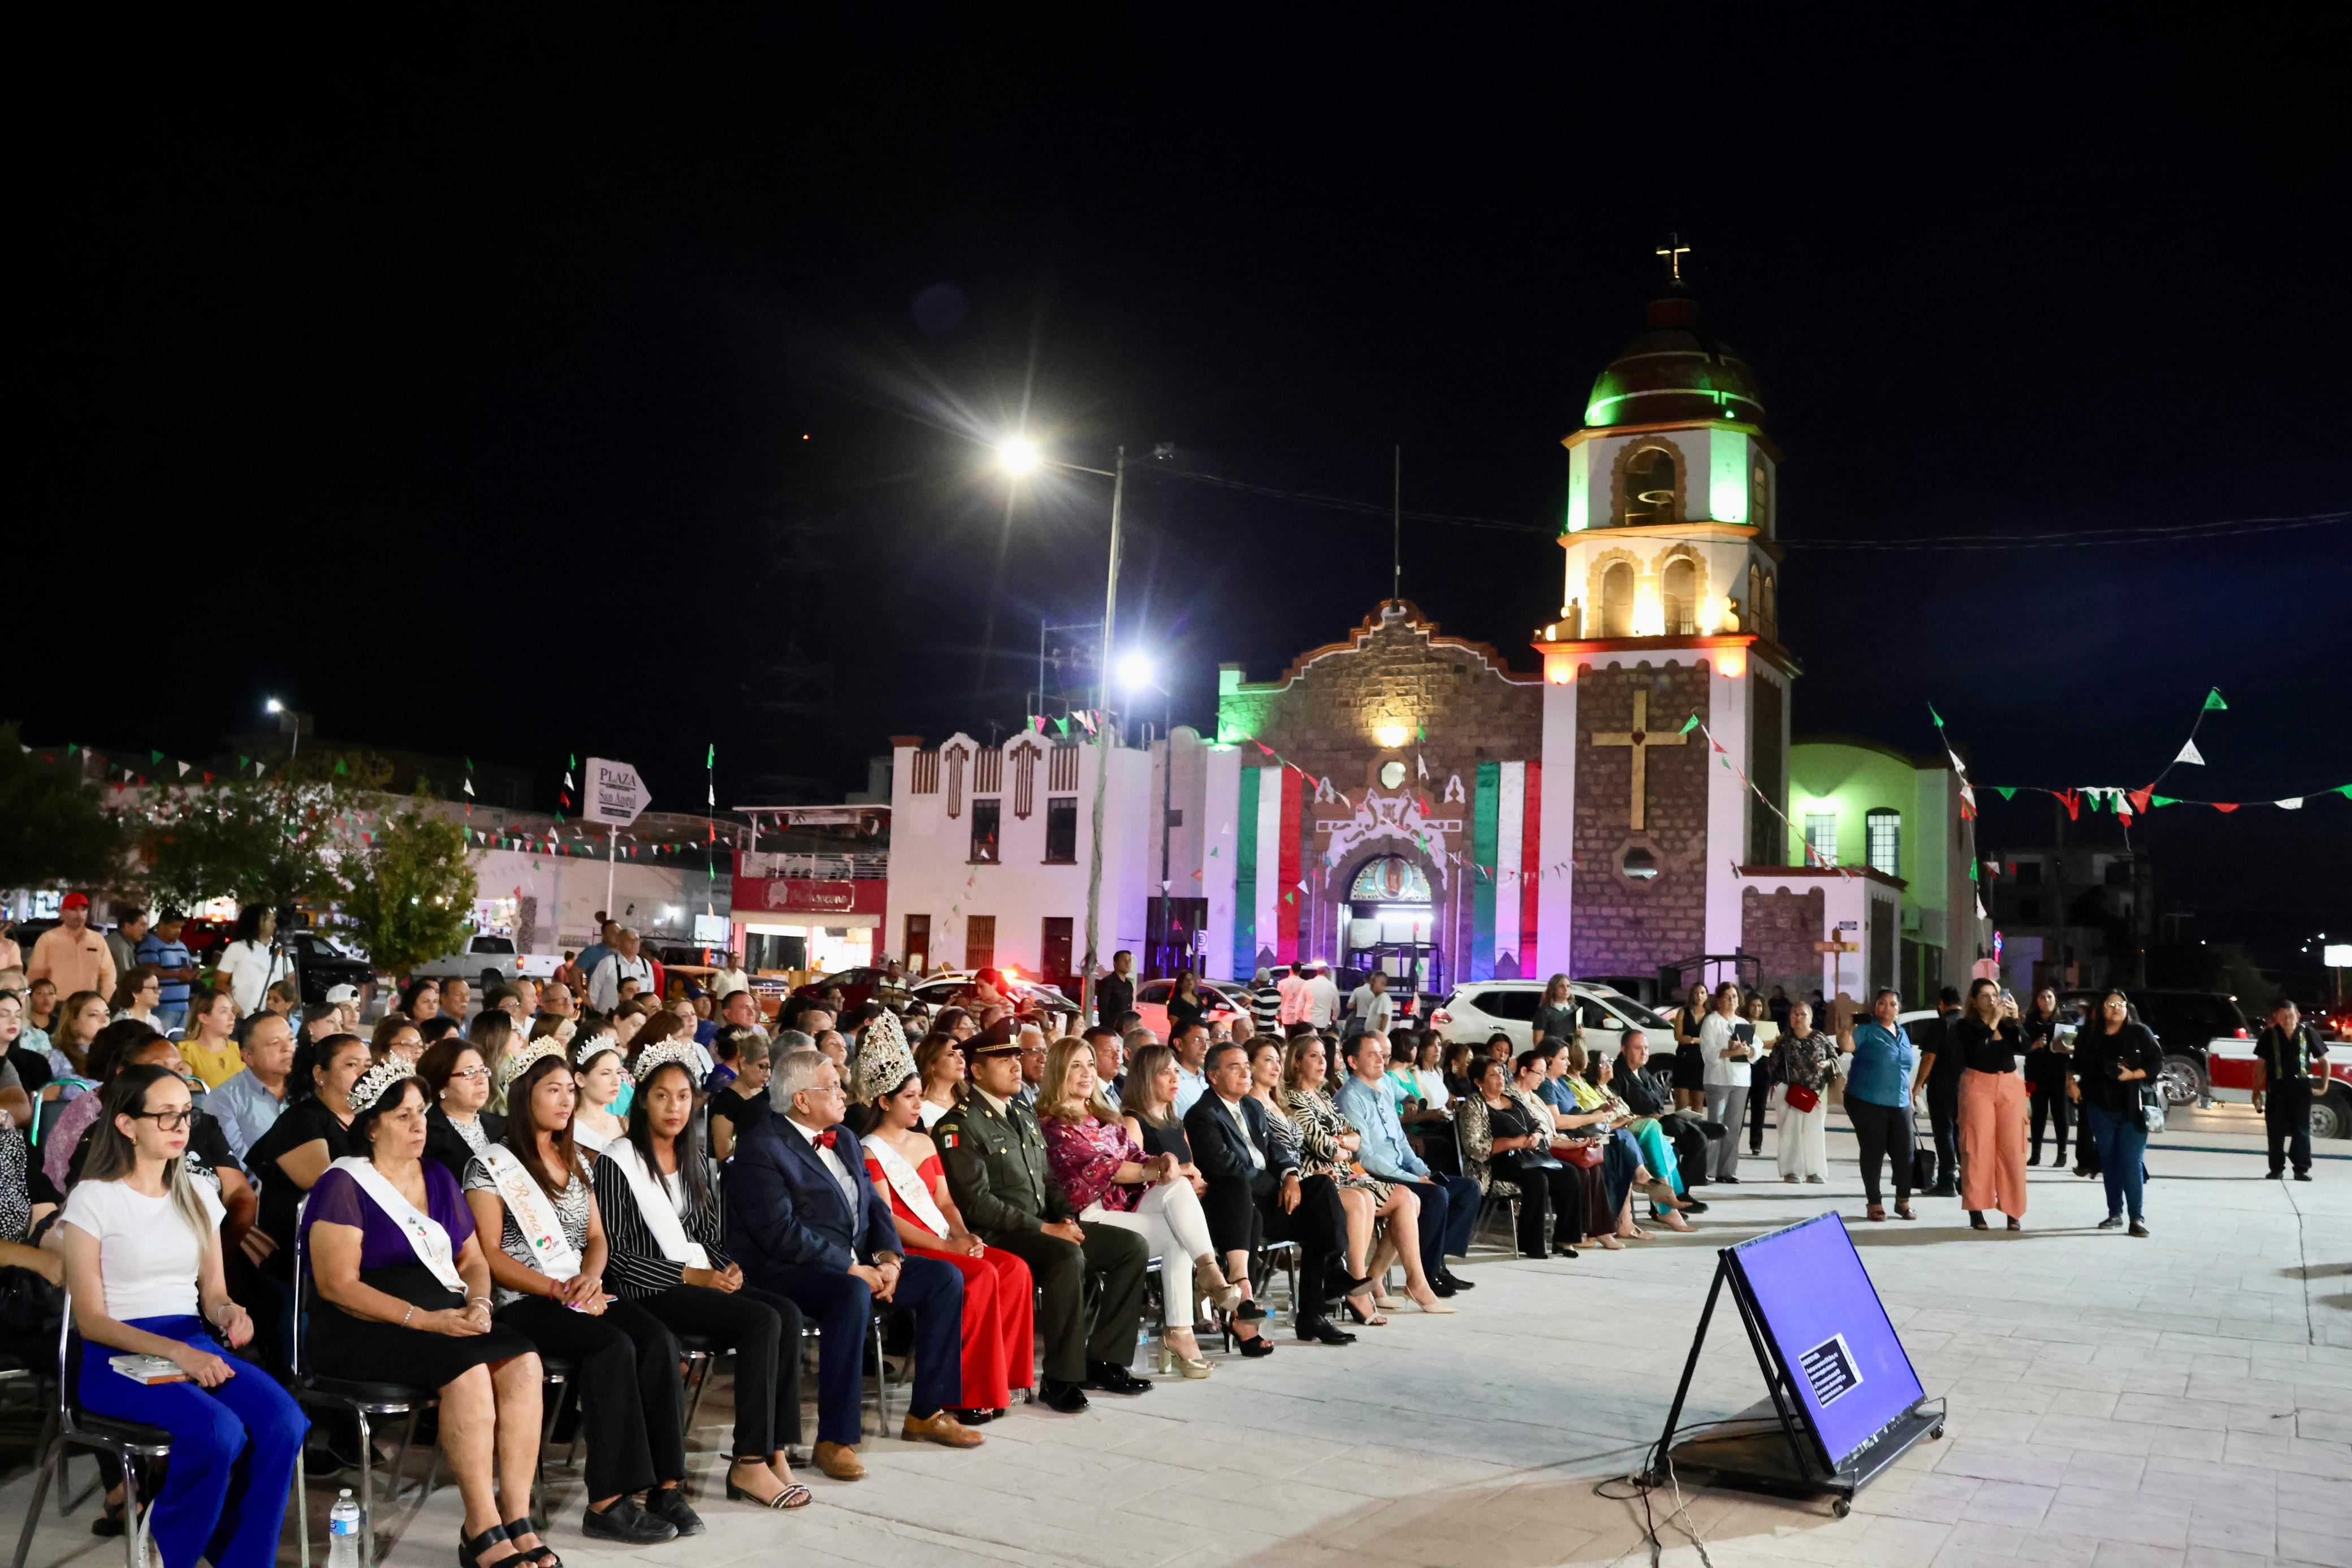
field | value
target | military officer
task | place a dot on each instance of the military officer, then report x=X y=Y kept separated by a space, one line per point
x=995 y=1155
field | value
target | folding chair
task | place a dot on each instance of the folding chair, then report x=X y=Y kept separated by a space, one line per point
x=71 y=1427
x=365 y=1403
x=1492 y=1202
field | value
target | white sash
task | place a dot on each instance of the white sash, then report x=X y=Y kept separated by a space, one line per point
x=908 y=1182
x=654 y=1203
x=533 y=1212
x=426 y=1237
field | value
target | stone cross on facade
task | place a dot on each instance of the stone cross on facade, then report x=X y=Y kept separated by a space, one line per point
x=1639 y=740
x=1674 y=250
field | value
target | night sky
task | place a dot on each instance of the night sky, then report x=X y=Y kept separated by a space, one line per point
x=532 y=383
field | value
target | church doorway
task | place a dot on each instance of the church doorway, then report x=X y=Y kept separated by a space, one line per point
x=1391 y=921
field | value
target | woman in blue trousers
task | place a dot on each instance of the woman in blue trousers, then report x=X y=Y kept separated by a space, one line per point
x=143 y=1262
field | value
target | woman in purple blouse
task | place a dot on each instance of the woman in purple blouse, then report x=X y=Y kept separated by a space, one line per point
x=1097 y=1159
x=404 y=1298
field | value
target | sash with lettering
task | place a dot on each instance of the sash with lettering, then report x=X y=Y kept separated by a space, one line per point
x=427 y=1235
x=532 y=1212
x=908 y=1182
x=654 y=1203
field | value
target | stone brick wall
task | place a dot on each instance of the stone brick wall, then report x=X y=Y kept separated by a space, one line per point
x=1398 y=671
x=1780 y=928
x=1623 y=926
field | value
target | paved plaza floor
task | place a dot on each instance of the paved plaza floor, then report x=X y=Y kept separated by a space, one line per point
x=2179 y=1401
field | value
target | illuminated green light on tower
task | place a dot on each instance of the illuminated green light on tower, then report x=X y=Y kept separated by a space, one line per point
x=1580 y=476
x=1727 y=476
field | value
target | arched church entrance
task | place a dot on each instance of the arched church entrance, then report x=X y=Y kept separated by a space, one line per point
x=1391 y=922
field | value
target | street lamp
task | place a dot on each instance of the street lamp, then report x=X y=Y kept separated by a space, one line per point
x=290 y=724
x=1137 y=673
x=1019 y=456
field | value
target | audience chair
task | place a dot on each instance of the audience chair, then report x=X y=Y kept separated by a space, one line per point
x=69 y=1428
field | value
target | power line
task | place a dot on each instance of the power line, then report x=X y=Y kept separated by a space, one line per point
x=2079 y=538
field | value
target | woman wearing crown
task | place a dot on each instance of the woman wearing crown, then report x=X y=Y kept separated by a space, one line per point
x=404 y=1297
x=531 y=1192
x=665 y=1231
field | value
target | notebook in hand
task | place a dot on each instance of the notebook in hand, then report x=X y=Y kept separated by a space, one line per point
x=147 y=1369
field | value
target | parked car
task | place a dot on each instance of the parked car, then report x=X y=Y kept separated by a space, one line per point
x=322 y=966
x=1222 y=1000
x=1482 y=1009
x=2188 y=1025
x=488 y=960
x=1030 y=996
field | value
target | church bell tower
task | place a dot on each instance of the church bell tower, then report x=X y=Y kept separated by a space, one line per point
x=1666 y=684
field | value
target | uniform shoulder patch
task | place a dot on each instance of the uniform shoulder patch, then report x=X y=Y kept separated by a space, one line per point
x=948 y=1138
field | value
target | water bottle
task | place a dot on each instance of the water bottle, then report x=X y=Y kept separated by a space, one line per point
x=343 y=1532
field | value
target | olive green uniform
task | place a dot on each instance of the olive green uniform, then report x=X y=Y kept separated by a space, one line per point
x=996 y=1170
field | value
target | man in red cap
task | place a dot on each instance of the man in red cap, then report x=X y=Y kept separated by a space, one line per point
x=70 y=955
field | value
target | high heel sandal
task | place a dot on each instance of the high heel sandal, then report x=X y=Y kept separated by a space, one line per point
x=1371 y=1320
x=794 y=1495
x=1208 y=1281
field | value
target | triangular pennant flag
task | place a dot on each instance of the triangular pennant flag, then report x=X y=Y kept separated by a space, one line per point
x=2164 y=801
x=1969 y=794
x=2141 y=798
x=469 y=765
x=1689 y=723
x=154 y=757
x=342 y=767
x=71 y=748
x=1420 y=763
x=710 y=756
x=1972 y=871
x=2189 y=753
x=711 y=794
x=2213 y=701
x=1934 y=715
x=2292 y=803
x=1981 y=910
x=2006 y=793
x=568 y=784
x=2073 y=802
x=2225 y=805
x=208 y=777
x=1063 y=725
x=575 y=760
x=240 y=761
x=469 y=786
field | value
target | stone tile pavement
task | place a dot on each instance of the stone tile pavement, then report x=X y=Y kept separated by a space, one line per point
x=2181 y=1402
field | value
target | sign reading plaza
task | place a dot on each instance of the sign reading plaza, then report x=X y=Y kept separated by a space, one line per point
x=617 y=797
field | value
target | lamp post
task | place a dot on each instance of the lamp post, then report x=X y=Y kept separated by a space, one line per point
x=1136 y=673
x=290 y=724
x=1020 y=456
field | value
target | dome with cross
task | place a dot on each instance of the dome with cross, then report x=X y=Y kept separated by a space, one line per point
x=1670 y=374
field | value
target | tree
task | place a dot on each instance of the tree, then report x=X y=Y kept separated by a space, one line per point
x=55 y=830
x=276 y=839
x=409 y=894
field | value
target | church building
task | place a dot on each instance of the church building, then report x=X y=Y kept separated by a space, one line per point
x=1611 y=803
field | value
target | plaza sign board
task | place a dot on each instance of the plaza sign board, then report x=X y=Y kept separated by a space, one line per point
x=616 y=796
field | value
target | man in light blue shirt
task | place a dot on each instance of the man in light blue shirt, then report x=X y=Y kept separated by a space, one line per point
x=250 y=1103
x=1449 y=1205
x=1191 y=1044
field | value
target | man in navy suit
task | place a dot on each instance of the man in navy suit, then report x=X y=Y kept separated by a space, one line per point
x=804 y=1222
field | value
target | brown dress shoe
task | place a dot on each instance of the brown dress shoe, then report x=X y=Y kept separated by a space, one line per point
x=840 y=1461
x=941 y=1428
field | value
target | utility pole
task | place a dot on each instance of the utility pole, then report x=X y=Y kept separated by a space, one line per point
x=1103 y=748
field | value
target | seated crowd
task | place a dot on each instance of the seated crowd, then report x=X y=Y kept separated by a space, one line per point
x=459 y=1204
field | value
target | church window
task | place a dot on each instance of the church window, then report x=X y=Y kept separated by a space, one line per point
x=1769 y=613
x=1392 y=774
x=1884 y=828
x=1752 y=612
x=1821 y=837
x=1391 y=879
x=1649 y=487
x=1681 y=594
x=1639 y=864
x=1759 y=502
x=1617 y=600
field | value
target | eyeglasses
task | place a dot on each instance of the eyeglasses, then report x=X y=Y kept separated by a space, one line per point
x=472 y=1073
x=166 y=1121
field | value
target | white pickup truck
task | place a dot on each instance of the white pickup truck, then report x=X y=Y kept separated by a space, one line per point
x=489 y=961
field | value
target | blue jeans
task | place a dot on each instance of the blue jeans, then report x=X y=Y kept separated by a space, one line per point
x=2121 y=1138
x=233 y=1450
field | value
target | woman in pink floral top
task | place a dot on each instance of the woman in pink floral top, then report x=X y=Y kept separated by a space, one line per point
x=1096 y=1158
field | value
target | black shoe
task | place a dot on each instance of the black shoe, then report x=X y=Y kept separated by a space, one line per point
x=1442 y=1287
x=2303 y=1175
x=1109 y=1377
x=2278 y=1174
x=626 y=1523
x=1541 y=1255
x=1454 y=1279
x=670 y=1503
x=1693 y=1205
x=1255 y=1347
x=2138 y=1227
x=1941 y=1192
x=976 y=1417
x=1977 y=1220
x=1064 y=1398
x=2111 y=1222
x=1729 y=1180
x=1323 y=1331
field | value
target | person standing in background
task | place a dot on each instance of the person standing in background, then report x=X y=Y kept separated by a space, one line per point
x=122 y=942
x=1265 y=1003
x=2289 y=1060
x=1322 y=998
x=250 y=964
x=1115 y=992
x=70 y=954
x=2045 y=1072
x=1726 y=1043
x=1879 y=1075
x=1371 y=1006
x=1941 y=1066
x=163 y=950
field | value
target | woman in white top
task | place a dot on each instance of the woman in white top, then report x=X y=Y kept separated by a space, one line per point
x=600 y=1069
x=143 y=1263
x=938 y=1063
x=247 y=964
x=1726 y=1043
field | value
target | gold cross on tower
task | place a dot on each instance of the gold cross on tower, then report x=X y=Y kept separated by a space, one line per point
x=1639 y=740
x=1674 y=250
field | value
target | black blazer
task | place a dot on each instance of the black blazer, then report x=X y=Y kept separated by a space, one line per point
x=447 y=1148
x=783 y=1208
x=1223 y=1156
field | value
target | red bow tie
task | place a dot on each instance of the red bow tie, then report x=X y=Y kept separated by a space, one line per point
x=825 y=1139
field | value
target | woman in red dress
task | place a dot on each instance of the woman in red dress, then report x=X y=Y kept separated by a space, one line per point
x=998 y=1299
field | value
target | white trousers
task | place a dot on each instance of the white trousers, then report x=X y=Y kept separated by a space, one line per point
x=1171 y=1222
x=1804 y=1142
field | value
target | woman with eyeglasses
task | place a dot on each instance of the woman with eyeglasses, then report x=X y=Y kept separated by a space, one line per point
x=137 y=994
x=460 y=1124
x=143 y=1263
x=313 y=1133
x=2115 y=1055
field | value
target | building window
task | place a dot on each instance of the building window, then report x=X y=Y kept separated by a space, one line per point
x=918 y=942
x=979 y=940
x=1884 y=828
x=1061 y=830
x=1053 y=950
x=1617 y=600
x=985 y=818
x=1821 y=837
x=1769 y=622
x=1759 y=507
x=2027 y=872
x=1681 y=594
x=1649 y=487
x=1639 y=864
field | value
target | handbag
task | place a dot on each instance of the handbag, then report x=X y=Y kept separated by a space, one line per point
x=1583 y=1156
x=2152 y=1107
x=1800 y=1098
